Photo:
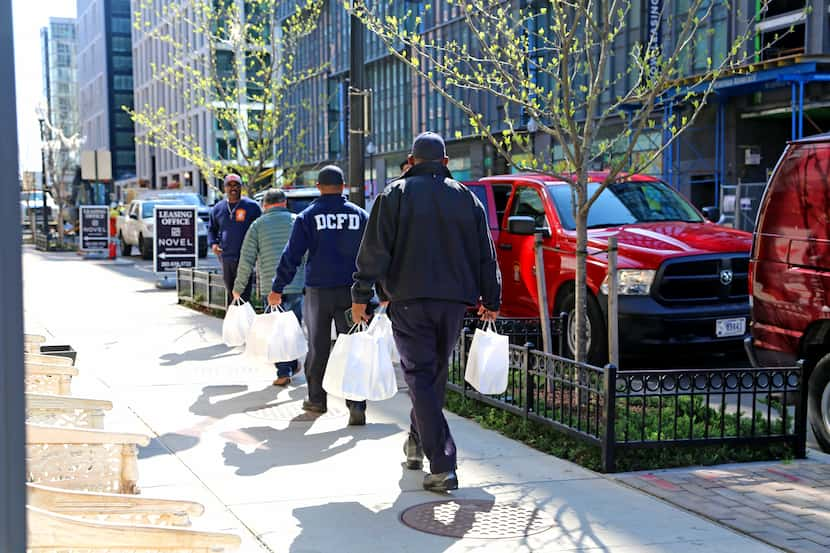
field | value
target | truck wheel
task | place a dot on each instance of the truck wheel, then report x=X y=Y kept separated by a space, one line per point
x=597 y=350
x=145 y=248
x=126 y=249
x=819 y=402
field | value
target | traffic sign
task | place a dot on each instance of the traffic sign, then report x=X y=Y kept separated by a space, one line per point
x=94 y=226
x=174 y=238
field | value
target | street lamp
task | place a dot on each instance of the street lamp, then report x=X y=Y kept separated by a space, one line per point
x=371 y=149
x=40 y=109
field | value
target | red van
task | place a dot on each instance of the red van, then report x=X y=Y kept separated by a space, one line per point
x=790 y=273
x=683 y=279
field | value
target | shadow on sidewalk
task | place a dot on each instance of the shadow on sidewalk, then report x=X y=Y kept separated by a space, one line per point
x=188 y=438
x=254 y=400
x=273 y=450
x=208 y=353
x=371 y=529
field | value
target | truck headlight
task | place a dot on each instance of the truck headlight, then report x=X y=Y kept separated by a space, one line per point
x=631 y=282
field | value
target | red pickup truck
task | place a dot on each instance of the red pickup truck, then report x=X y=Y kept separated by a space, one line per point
x=683 y=279
x=790 y=273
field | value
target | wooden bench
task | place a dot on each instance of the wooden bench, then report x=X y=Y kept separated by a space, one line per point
x=55 y=533
x=57 y=410
x=83 y=459
x=48 y=379
x=108 y=507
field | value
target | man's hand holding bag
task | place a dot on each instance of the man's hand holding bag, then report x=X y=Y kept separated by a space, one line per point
x=276 y=336
x=237 y=323
x=488 y=361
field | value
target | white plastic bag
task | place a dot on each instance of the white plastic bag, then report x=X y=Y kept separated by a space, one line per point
x=259 y=336
x=287 y=341
x=488 y=360
x=381 y=327
x=359 y=368
x=276 y=336
x=237 y=323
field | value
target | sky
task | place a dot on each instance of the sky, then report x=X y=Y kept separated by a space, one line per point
x=29 y=17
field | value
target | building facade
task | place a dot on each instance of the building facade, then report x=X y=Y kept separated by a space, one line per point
x=60 y=73
x=157 y=167
x=105 y=82
x=723 y=160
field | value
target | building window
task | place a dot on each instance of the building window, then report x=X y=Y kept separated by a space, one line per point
x=122 y=63
x=122 y=82
x=121 y=25
x=121 y=44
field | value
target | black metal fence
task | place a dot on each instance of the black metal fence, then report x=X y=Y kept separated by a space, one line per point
x=620 y=410
x=205 y=288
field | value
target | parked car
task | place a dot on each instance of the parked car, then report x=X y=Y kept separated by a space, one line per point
x=683 y=279
x=31 y=201
x=790 y=273
x=297 y=199
x=136 y=227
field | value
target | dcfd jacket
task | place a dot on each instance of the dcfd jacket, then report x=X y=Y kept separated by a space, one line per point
x=428 y=238
x=228 y=225
x=330 y=230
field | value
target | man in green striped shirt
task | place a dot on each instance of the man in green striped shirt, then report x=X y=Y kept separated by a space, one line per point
x=263 y=246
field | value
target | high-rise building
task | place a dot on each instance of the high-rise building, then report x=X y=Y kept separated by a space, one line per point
x=105 y=81
x=158 y=167
x=60 y=73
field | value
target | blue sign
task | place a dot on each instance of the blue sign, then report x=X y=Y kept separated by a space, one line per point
x=654 y=31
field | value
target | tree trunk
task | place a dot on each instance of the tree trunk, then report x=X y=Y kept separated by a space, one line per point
x=581 y=295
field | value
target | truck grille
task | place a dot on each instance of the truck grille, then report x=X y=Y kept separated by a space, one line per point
x=708 y=279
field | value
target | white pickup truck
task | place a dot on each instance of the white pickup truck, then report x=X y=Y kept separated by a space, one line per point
x=135 y=227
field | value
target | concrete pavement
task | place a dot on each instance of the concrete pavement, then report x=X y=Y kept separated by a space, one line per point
x=288 y=482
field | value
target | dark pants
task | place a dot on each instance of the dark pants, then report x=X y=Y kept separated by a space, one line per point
x=229 y=267
x=426 y=332
x=321 y=306
x=290 y=302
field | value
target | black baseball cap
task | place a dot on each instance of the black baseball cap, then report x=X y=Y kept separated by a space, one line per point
x=330 y=175
x=429 y=146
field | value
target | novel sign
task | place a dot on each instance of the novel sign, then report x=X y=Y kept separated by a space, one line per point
x=94 y=227
x=174 y=238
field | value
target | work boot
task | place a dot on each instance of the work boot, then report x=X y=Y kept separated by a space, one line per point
x=282 y=381
x=441 y=482
x=357 y=416
x=414 y=453
x=313 y=407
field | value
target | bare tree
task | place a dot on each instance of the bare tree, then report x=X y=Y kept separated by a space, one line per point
x=61 y=155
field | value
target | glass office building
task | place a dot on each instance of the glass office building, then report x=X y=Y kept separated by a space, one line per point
x=105 y=82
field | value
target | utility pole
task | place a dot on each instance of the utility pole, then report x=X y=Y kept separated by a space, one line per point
x=357 y=95
x=12 y=430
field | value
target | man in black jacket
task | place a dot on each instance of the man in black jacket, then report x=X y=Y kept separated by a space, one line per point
x=428 y=247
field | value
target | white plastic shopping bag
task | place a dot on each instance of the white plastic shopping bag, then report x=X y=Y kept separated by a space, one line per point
x=381 y=327
x=359 y=369
x=488 y=360
x=237 y=323
x=259 y=336
x=276 y=336
x=287 y=341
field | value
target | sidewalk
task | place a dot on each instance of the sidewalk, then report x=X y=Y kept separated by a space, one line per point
x=784 y=504
x=287 y=482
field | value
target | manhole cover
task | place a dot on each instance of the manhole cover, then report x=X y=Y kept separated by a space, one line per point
x=476 y=518
x=292 y=412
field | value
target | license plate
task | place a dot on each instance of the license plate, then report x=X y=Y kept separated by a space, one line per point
x=730 y=327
